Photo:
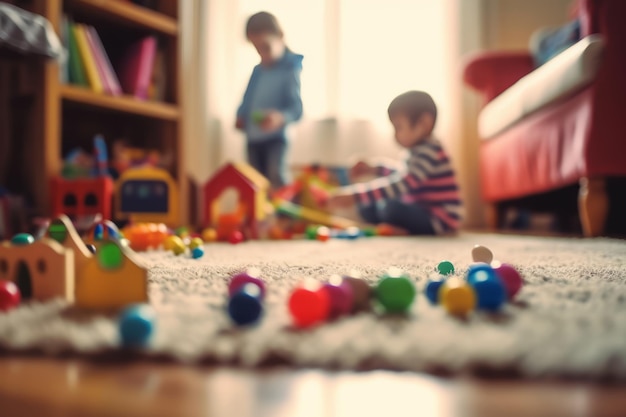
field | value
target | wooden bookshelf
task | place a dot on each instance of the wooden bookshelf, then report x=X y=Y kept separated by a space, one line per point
x=68 y=115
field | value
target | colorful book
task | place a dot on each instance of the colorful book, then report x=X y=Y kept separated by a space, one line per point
x=108 y=76
x=76 y=68
x=136 y=65
x=93 y=49
x=87 y=58
x=64 y=67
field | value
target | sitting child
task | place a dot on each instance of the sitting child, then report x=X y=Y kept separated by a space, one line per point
x=422 y=198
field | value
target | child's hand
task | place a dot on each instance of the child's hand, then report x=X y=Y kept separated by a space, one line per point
x=273 y=120
x=240 y=124
x=360 y=169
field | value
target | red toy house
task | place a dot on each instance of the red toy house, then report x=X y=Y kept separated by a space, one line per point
x=82 y=197
x=252 y=188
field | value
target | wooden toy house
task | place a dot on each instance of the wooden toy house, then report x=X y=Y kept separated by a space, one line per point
x=81 y=197
x=252 y=188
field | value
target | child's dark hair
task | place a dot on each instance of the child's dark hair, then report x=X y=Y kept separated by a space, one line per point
x=413 y=104
x=263 y=22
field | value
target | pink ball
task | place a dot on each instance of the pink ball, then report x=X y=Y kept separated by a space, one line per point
x=243 y=278
x=509 y=276
x=341 y=296
x=10 y=296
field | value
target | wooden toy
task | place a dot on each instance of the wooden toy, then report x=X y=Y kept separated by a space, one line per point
x=113 y=278
x=147 y=195
x=136 y=325
x=309 y=304
x=252 y=188
x=341 y=296
x=62 y=230
x=482 y=254
x=245 y=306
x=10 y=296
x=81 y=197
x=395 y=291
x=41 y=270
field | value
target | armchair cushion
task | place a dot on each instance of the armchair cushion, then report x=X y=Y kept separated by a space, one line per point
x=560 y=77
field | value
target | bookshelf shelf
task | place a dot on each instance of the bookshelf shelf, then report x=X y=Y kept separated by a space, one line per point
x=127 y=13
x=125 y=104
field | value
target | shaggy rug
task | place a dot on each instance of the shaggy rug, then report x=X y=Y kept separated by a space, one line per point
x=568 y=320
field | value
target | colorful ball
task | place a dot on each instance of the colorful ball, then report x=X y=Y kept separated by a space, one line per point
x=323 y=233
x=197 y=253
x=23 y=239
x=172 y=241
x=246 y=305
x=179 y=248
x=10 y=296
x=136 y=325
x=309 y=304
x=490 y=292
x=361 y=292
x=479 y=271
x=457 y=297
x=482 y=254
x=209 y=235
x=311 y=232
x=510 y=278
x=236 y=237
x=369 y=231
x=195 y=242
x=445 y=268
x=432 y=290
x=341 y=296
x=395 y=291
x=252 y=275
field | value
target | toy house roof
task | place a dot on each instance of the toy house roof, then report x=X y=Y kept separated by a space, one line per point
x=245 y=171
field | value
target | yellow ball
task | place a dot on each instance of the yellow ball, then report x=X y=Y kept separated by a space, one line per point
x=179 y=248
x=172 y=241
x=195 y=243
x=457 y=297
x=209 y=235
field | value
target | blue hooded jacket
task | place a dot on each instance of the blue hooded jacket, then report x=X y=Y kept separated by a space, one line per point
x=275 y=87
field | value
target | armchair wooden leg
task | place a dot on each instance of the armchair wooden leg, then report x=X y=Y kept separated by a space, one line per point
x=495 y=216
x=593 y=205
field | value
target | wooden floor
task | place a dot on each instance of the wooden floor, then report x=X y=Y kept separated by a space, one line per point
x=32 y=387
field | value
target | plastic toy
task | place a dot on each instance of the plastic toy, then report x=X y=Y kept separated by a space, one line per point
x=510 y=277
x=322 y=234
x=341 y=296
x=252 y=188
x=41 y=270
x=432 y=289
x=489 y=291
x=309 y=304
x=245 y=306
x=310 y=189
x=250 y=276
x=144 y=236
x=136 y=325
x=197 y=253
x=196 y=242
x=395 y=291
x=361 y=292
x=81 y=197
x=209 y=235
x=313 y=216
x=445 y=268
x=9 y=296
x=236 y=237
x=457 y=297
x=147 y=195
x=482 y=254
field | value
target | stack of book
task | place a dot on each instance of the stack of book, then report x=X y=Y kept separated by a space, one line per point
x=88 y=63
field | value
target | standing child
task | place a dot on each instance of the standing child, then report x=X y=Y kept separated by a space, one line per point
x=272 y=99
x=422 y=198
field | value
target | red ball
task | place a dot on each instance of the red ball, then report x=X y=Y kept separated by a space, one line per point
x=10 y=296
x=235 y=237
x=239 y=280
x=509 y=277
x=323 y=234
x=309 y=304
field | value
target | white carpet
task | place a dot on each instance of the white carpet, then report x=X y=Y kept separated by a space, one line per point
x=569 y=319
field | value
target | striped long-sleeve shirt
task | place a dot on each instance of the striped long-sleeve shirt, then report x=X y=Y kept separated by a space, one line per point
x=427 y=179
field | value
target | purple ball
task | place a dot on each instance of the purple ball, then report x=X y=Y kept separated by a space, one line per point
x=510 y=278
x=341 y=296
x=239 y=280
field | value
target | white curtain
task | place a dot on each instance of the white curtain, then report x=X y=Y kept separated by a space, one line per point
x=358 y=55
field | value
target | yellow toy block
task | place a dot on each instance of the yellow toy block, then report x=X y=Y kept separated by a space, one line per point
x=113 y=278
x=42 y=270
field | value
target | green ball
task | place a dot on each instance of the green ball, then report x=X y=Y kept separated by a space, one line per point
x=445 y=268
x=23 y=239
x=110 y=256
x=369 y=231
x=395 y=292
x=311 y=232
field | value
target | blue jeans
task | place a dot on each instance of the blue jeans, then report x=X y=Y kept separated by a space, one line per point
x=414 y=218
x=269 y=157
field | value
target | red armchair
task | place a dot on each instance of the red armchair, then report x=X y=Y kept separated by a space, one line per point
x=577 y=139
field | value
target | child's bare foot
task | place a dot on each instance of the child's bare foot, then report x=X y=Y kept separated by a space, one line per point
x=386 y=229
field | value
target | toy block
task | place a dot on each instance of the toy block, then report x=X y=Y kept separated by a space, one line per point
x=82 y=196
x=42 y=270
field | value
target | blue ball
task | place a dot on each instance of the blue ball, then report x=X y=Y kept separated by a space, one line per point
x=490 y=292
x=136 y=325
x=432 y=290
x=245 y=306
x=480 y=271
x=197 y=252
